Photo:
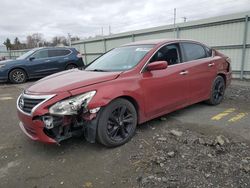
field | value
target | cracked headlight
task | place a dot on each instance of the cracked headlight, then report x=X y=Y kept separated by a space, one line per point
x=72 y=105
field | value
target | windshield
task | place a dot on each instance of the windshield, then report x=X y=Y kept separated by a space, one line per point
x=27 y=54
x=120 y=59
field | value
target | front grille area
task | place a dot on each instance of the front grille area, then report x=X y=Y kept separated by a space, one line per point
x=27 y=103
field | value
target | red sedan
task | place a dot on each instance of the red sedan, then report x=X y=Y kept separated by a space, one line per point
x=124 y=87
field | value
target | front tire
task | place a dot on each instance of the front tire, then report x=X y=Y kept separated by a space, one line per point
x=117 y=123
x=218 y=91
x=17 y=76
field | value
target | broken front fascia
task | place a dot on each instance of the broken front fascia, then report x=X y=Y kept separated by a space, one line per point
x=70 y=117
x=61 y=128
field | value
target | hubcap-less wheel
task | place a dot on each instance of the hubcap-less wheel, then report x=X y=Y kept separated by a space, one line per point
x=117 y=123
x=120 y=123
x=218 y=91
x=17 y=76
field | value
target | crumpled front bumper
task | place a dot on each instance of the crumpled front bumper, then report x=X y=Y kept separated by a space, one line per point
x=34 y=128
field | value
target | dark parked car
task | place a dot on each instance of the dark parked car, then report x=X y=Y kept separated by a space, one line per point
x=38 y=63
x=125 y=87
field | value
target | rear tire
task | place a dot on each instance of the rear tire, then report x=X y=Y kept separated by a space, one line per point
x=17 y=76
x=117 y=123
x=70 y=66
x=218 y=91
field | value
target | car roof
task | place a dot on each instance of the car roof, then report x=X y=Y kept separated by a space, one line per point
x=41 y=48
x=158 y=41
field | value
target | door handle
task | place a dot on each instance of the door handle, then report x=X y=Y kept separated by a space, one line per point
x=47 y=61
x=183 y=72
x=211 y=64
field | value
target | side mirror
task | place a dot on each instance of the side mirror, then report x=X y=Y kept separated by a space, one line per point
x=31 y=58
x=157 y=65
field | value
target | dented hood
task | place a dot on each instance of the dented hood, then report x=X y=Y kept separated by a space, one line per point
x=69 y=80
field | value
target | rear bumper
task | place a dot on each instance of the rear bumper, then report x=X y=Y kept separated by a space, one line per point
x=228 y=78
x=34 y=129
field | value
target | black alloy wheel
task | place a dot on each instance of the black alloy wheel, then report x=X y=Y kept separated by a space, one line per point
x=218 y=91
x=117 y=123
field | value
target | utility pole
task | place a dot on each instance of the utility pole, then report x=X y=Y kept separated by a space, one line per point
x=102 y=30
x=109 y=30
x=174 y=17
x=69 y=36
x=175 y=31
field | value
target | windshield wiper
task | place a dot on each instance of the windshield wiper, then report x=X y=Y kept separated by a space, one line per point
x=98 y=70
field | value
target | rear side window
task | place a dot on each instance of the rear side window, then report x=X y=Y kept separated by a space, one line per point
x=41 y=54
x=56 y=53
x=193 y=51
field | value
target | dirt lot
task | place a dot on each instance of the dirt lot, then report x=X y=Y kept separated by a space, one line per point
x=199 y=146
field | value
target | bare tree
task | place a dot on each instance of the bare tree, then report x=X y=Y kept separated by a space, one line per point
x=75 y=38
x=34 y=40
x=59 y=40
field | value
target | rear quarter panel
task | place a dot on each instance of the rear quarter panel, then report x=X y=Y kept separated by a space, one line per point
x=75 y=60
x=223 y=66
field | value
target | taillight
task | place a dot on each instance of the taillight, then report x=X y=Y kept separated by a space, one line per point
x=79 y=55
x=228 y=60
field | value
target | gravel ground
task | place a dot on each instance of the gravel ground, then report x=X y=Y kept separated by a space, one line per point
x=188 y=159
x=238 y=92
x=182 y=149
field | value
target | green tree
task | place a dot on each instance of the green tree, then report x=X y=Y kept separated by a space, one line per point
x=17 y=44
x=8 y=44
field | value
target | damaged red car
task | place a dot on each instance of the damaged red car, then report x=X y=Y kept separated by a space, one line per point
x=124 y=87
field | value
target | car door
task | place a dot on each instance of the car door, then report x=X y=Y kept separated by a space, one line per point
x=201 y=71
x=40 y=64
x=165 y=90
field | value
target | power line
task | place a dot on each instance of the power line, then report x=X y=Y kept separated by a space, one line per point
x=160 y=20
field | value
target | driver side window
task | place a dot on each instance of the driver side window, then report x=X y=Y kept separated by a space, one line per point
x=169 y=53
x=41 y=54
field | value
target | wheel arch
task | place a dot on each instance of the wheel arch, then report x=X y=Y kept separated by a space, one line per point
x=134 y=102
x=223 y=76
x=70 y=63
x=13 y=68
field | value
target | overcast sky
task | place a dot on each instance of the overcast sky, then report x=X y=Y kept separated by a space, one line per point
x=19 y=18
